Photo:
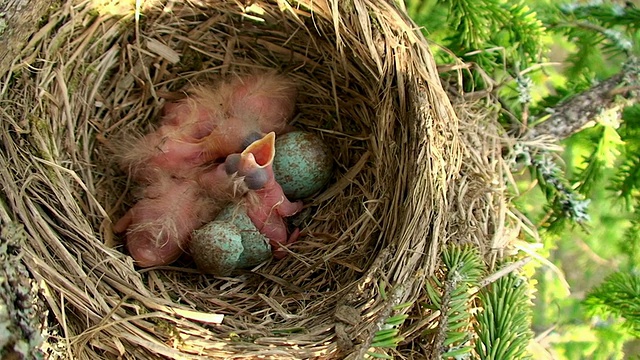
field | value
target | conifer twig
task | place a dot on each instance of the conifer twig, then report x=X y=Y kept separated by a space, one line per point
x=441 y=336
x=394 y=299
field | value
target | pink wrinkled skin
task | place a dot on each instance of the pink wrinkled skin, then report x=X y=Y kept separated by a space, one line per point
x=184 y=187
x=265 y=100
x=159 y=226
x=212 y=123
x=267 y=207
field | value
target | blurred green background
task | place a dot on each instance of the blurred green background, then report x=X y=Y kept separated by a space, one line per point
x=584 y=255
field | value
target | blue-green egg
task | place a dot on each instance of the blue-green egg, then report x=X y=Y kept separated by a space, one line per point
x=256 y=248
x=216 y=247
x=302 y=165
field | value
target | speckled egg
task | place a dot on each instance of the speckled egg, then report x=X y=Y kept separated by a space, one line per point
x=302 y=164
x=256 y=248
x=216 y=247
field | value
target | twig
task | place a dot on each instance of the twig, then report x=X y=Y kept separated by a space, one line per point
x=443 y=324
x=503 y=272
x=396 y=295
x=572 y=115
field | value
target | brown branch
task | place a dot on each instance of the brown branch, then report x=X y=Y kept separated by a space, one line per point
x=438 y=344
x=572 y=115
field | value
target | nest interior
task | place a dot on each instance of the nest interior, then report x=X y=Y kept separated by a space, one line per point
x=409 y=175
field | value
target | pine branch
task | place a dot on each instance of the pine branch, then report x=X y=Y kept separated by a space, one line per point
x=385 y=322
x=603 y=156
x=471 y=21
x=610 y=14
x=618 y=296
x=451 y=296
x=630 y=128
x=627 y=179
x=630 y=246
x=564 y=202
x=503 y=326
x=572 y=115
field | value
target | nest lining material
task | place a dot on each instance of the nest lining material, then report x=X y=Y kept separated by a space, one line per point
x=368 y=85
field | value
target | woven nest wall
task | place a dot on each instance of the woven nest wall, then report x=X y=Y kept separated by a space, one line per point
x=409 y=176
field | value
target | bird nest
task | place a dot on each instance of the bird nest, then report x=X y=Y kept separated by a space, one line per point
x=410 y=175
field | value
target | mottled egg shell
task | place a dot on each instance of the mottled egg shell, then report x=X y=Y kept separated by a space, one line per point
x=216 y=247
x=302 y=164
x=256 y=246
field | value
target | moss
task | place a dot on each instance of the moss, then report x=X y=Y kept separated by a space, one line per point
x=94 y=12
x=20 y=307
x=3 y=23
x=53 y=7
x=38 y=125
x=168 y=329
x=141 y=308
x=163 y=325
x=190 y=60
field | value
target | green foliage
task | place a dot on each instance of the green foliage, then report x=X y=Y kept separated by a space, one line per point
x=606 y=144
x=451 y=296
x=592 y=39
x=630 y=245
x=609 y=14
x=389 y=336
x=618 y=296
x=498 y=35
x=599 y=29
x=524 y=30
x=503 y=326
x=586 y=341
x=600 y=34
x=471 y=23
x=564 y=202
x=627 y=177
x=630 y=127
x=626 y=181
x=570 y=86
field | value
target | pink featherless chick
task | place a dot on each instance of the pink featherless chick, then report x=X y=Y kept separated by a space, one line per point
x=158 y=227
x=266 y=204
x=252 y=106
x=211 y=123
x=266 y=100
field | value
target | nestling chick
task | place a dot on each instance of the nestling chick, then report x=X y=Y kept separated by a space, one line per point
x=212 y=123
x=158 y=227
x=183 y=189
x=265 y=100
x=266 y=206
x=169 y=150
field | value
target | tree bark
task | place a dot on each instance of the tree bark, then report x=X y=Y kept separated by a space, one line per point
x=572 y=115
x=19 y=19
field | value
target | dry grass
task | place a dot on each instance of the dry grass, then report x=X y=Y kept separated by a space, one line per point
x=410 y=175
